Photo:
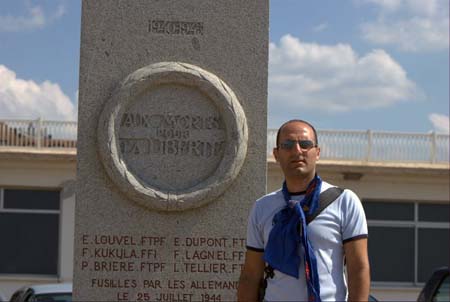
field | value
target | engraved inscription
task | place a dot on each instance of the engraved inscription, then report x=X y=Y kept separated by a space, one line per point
x=194 y=263
x=170 y=121
x=169 y=135
x=169 y=132
x=175 y=27
x=171 y=147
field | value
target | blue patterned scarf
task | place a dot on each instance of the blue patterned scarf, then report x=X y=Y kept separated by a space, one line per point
x=289 y=231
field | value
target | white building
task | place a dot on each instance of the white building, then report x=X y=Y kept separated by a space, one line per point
x=402 y=179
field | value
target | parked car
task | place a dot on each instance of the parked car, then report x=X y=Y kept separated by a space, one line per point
x=59 y=292
x=437 y=287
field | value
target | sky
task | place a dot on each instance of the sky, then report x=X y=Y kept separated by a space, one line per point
x=347 y=65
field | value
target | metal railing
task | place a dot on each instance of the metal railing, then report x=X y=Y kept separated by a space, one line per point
x=378 y=146
x=370 y=146
x=38 y=134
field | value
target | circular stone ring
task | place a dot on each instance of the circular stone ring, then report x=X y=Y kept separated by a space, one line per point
x=147 y=192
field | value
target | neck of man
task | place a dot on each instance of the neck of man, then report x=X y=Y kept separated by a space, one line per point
x=298 y=183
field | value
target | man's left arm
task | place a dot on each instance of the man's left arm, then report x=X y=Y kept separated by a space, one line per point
x=358 y=271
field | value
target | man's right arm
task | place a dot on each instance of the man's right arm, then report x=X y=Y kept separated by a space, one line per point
x=251 y=276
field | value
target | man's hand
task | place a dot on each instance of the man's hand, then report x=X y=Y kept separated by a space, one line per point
x=251 y=276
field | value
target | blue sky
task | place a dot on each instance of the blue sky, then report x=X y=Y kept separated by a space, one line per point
x=348 y=64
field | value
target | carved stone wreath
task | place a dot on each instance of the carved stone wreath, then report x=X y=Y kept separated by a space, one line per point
x=143 y=191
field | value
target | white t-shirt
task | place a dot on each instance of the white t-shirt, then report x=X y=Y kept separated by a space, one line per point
x=343 y=220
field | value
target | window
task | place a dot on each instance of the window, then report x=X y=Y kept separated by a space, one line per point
x=443 y=291
x=407 y=240
x=29 y=228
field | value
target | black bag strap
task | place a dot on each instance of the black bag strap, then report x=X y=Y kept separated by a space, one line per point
x=325 y=199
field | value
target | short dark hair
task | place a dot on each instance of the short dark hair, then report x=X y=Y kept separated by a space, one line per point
x=297 y=121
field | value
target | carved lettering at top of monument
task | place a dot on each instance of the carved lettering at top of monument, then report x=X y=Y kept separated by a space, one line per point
x=183 y=28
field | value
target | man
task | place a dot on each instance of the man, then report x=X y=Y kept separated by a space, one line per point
x=308 y=260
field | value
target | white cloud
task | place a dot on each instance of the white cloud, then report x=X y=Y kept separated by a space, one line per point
x=35 y=18
x=410 y=25
x=441 y=123
x=320 y=27
x=386 y=5
x=60 y=11
x=75 y=103
x=26 y=99
x=412 y=7
x=334 y=78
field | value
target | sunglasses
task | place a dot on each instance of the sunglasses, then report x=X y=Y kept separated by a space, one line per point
x=304 y=144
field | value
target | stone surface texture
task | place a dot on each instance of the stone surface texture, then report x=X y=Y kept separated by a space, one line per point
x=171 y=147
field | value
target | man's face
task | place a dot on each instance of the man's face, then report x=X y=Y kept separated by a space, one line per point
x=297 y=162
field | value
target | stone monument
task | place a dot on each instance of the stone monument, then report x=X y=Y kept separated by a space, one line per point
x=171 y=147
